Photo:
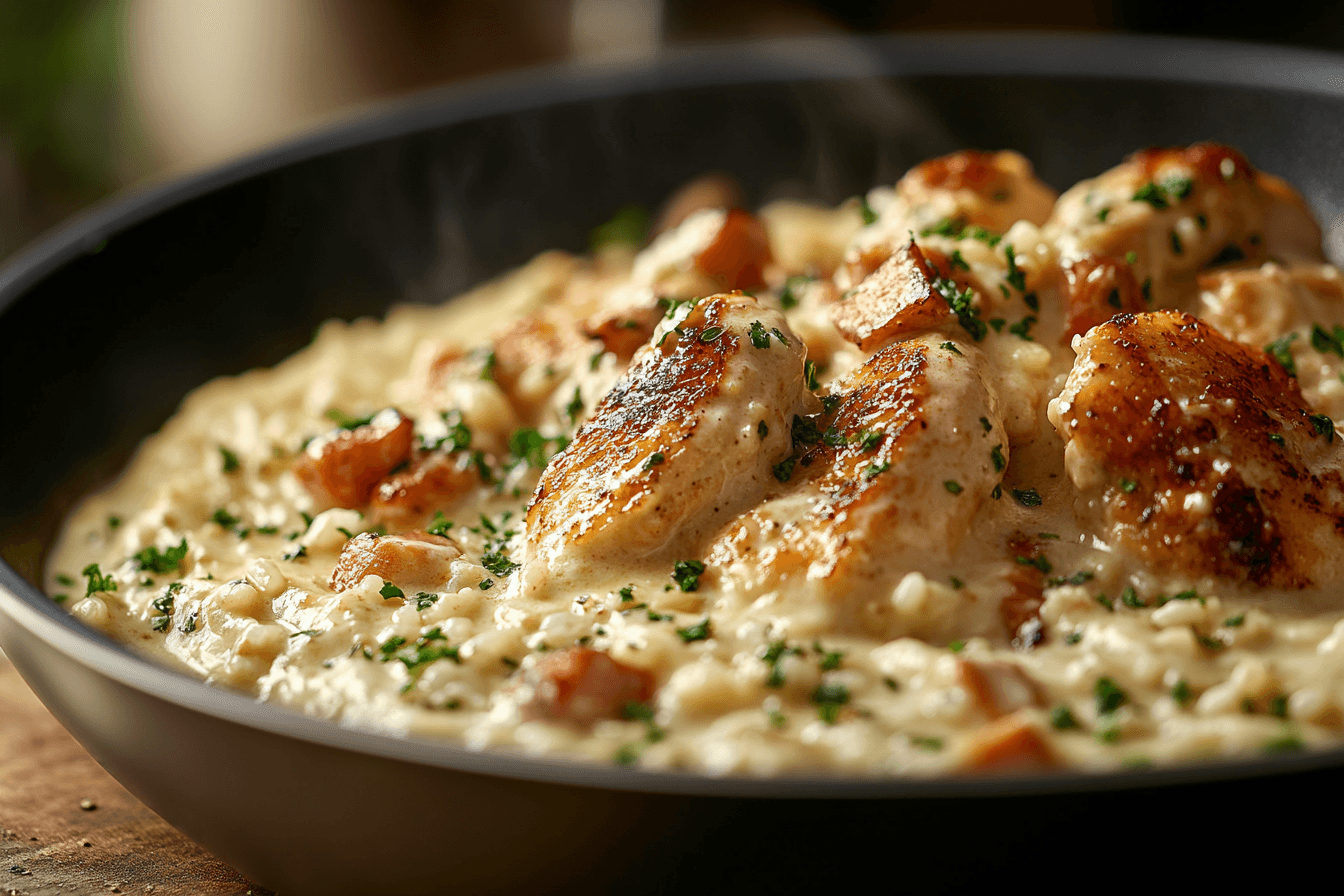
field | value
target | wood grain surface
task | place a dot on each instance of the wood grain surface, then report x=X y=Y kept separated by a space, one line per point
x=66 y=827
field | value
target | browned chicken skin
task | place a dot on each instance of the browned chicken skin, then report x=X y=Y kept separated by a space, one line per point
x=685 y=438
x=1203 y=453
x=342 y=468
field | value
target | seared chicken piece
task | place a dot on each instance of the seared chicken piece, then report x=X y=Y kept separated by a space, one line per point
x=914 y=446
x=413 y=561
x=684 y=441
x=435 y=480
x=1179 y=211
x=989 y=190
x=342 y=468
x=1202 y=453
x=580 y=685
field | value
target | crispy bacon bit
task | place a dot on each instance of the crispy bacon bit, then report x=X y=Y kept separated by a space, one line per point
x=898 y=298
x=581 y=685
x=1097 y=288
x=415 y=561
x=998 y=688
x=433 y=482
x=1009 y=745
x=737 y=257
x=623 y=331
x=342 y=468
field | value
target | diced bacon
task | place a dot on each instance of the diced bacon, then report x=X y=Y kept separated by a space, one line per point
x=434 y=481
x=898 y=298
x=413 y=561
x=737 y=257
x=622 y=332
x=342 y=468
x=997 y=688
x=582 y=685
x=1009 y=745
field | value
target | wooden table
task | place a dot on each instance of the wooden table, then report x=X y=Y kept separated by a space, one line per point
x=67 y=828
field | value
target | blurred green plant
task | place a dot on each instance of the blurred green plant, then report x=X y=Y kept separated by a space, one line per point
x=61 y=110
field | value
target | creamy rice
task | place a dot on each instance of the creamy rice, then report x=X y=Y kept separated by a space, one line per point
x=886 y=518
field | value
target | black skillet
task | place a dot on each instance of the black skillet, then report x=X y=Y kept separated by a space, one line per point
x=106 y=324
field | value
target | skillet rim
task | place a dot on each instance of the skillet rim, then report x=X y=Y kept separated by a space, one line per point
x=1040 y=54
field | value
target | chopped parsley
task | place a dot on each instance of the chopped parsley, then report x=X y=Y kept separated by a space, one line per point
x=627 y=593
x=1235 y=621
x=229 y=459
x=762 y=430
x=1286 y=743
x=1016 y=277
x=575 y=406
x=1102 y=213
x=1128 y=485
x=1022 y=329
x=1130 y=598
x=875 y=469
x=1278 y=706
x=151 y=559
x=345 y=421
x=1323 y=426
x=1328 y=342
x=1150 y=193
x=709 y=334
x=1278 y=350
x=530 y=447
x=804 y=431
x=1105 y=602
x=868 y=439
x=829 y=697
x=1035 y=304
x=63 y=579
x=1176 y=247
x=1109 y=695
x=830 y=659
x=701 y=631
x=810 y=374
x=1180 y=692
x=439 y=525
x=783 y=470
x=957 y=584
x=629 y=226
x=956 y=646
x=225 y=519
x=869 y=216
x=996 y=454
x=984 y=421
x=952 y=486
x=923 y=742
x=458 y=437
x=1131 y=257
x=686 y=573
x=968 y=316
x=654 y=460
x=792 y=294
x=497 y=563
x=958 y=261
x=389 y=591
x=1027 y=497
x=774 y=658
x=1039 y=562
x=425 y=599
x=1061 y=718
x=760 y=336
x=1078 y=578
x=1276 y=438
x=950 y=347
x=642 y=712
